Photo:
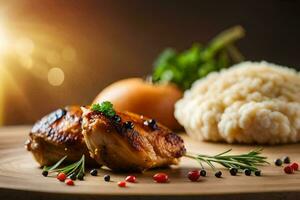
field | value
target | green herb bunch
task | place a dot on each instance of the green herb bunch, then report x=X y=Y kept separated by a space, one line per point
x=184 y=68
x=250 y=160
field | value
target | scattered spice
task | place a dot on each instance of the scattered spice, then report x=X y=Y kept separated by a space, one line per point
x=278 y=162
x=203 y=172
x=194 y=175
x=122 y=184
x=288 y=169
x=295 y=166
x=94 y=172
x=151 y=123
x=233 y=171
x=257 y=173
x=128 y=125
x=72 y=176
x=45 y=173
x=61 y=177
x=70 y=182
x=218 y=174
x=116 y=118
x=80 y=176
x=106 y=178
x=286 y=160
x=131 y=179
x=247 y=172
x=161 y=178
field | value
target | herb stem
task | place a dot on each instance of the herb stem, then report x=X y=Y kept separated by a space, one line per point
x=77 y=167
x=249 y=160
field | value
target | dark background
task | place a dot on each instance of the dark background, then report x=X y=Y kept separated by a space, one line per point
x=119 y=39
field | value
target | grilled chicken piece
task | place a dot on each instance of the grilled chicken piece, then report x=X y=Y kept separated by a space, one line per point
x=56 y=135
x=129 y=142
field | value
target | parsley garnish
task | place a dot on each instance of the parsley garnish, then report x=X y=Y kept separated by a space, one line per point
x=105 y=108
x=184 y=68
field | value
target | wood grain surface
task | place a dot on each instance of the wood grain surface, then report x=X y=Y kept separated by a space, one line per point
x=20 y=176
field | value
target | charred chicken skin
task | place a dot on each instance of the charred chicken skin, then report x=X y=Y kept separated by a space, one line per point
x=130 y=142
x=58 y=134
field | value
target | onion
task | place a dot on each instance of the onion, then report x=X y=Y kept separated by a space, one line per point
x=155 y=101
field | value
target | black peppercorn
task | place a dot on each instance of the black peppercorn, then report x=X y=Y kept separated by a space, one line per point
x=202 y=172
x=278 y=162
x=247 y=172
x=233 y=171
x=151 y=123
x=72 y=176
x=80 y=176
x=45 y=173
x=257 y=173
x=116 y=118
x=94 y=172
x=106 y=178
x=218 y=174
x=286 y=160
x=128 y=125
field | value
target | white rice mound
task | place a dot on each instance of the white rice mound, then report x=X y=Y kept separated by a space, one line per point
x=251 y=102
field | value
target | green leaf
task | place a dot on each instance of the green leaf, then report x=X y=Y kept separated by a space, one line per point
x=167 y=56
x=105 y=107
x=184 y=68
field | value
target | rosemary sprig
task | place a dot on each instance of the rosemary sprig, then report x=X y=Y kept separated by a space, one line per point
x=250 y=160
x=76 y=169
x=53 y=167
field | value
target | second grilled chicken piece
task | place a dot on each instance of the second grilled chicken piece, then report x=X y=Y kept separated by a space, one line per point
x=130 y=142
x=56 y=135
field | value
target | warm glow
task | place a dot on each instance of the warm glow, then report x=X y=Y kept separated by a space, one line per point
x=53 y=58
x=69 y=54
x=3 y=40
x=26 y=61
x=24 y=46
x=3 y=48
x=26 y=50
x=56 y=76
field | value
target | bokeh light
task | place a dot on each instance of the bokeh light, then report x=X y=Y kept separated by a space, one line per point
x=56 y=76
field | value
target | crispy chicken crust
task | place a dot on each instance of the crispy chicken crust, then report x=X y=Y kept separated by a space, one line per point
x=56 y=135
x=136 y=148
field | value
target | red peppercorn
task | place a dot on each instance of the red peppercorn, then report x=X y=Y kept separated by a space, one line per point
x=70 y=182
x=161 y=178
x=131 y=179
x=288 y=169
x=62 y=177
x=295 y=166
x=194 y=175
x=122 y=184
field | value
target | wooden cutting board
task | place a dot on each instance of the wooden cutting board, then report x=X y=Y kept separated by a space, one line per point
x=20 y=176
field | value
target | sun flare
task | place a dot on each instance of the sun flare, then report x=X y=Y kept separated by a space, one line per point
x=4 y=40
